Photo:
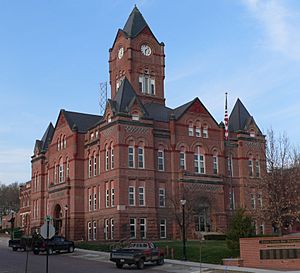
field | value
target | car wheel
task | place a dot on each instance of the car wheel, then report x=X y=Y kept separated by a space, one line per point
x=14 y=248
x=119 y=265
x=160 y=261
x=50 y=251
x=140 y=264
x=71 y=249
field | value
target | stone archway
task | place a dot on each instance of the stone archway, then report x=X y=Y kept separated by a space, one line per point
x=57 y=219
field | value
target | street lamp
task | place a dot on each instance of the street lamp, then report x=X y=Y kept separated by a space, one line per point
x=183 y=202
x=12 y=224
x=66 y=219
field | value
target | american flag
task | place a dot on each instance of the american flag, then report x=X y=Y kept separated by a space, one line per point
x=226 y=118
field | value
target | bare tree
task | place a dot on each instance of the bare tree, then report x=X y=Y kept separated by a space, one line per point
x=281 y=184
x=9 y=198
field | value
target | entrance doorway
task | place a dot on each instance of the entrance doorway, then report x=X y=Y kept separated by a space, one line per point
x=57 y=219
x=202 y=219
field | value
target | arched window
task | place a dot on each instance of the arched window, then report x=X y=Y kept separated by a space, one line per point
x=135 y=116
x=90 y=166
x=112 y=156
x=141 y=156
x=65 y=141
x=250 y=166
x=257 y=168
x=106 y=157
x=205 y=131
x=131 y=156
x=58 y=144
x=161 y=159
x=108 y=118
x=215 y=162
x=191 y=129
x=199 y=160
x=182 y=158
x=198 y=129
x=61 y=142
x=67 y=168
x=61 y=171
x=95 y=163
x=147 y=83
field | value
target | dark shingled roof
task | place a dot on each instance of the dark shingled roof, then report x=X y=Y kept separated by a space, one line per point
x=181 y=109
x=42 y=145
x=135 y=23
x=240 y=118
x=80 y=120
x=158 y=112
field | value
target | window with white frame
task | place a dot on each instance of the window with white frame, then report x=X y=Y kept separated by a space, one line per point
x=112 y=228
x=198 y=132
x=99 y=197
x=94 y=230
x=58 y=145
x=99 y=162
x=132 y=224
x=191 y=129
x=141 y=196
x=205 y=132
x=131 y=157
x=250 y=165
x=95 y=198
x=55 y=173
x=160 y=160
x=107 y=198
x=135 y=116
x=90 y=167
x=252 y=133
x=90 y=199
x=262 y=229
x=199 y=161
x=162 y=228
x=253 y=201
x=106 y=158
x=112 y=160
x=95 y=165
x=162 y=197
x=89 y=231
x=182 y=160
x=141 y=158
x=106 y=225
x=147 y=84
x=131 y=196
x=259 y=200
x=257 y=168
x=68 y=168
x=112 y=197
x=143 y=228
x=61 y=171
x=215 y=163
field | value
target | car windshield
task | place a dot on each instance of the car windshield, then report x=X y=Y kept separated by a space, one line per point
x=138 y=245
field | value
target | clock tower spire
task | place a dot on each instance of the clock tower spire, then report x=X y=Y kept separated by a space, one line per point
x=137 y=55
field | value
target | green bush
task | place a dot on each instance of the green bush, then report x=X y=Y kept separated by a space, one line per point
x=240 y=227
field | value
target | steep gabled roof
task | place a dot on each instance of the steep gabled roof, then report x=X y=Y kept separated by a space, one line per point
x=42 y=145
x=240 y=119
x=180 y=110
x=125 y=98
x=135 y=23
x=80 y=120
x=158 y=111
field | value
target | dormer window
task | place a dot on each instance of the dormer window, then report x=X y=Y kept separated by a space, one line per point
x=252 y=133
x=147 y=84
x=135 y=116
x=108 y=118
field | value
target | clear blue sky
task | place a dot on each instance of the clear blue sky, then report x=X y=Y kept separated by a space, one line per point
x=53 y=54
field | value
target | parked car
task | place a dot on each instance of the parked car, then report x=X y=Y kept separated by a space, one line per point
x=137 y=253
x=23 y=243
x=55 y=244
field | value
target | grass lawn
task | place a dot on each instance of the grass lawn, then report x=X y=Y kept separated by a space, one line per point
x=212 y=251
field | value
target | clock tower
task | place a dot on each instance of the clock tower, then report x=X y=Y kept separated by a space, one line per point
x=137 y=55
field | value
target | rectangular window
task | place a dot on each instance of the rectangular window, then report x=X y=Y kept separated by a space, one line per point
x=112 y=161
x=182 y=160
x=99 y=198
x=106 y=159
x=61 y=173
x=132 y=222
x=259 y=200
x=131 y=157
x=112 y=191
x=143 y=228
x=112 y=228
x=68 y=169
x=205 y=132
x=90 y=199
x=231 y=199
x=95 y=198
x=162 y=197
x=99 y=160
x=257 y=168
x=250 y=164
x=94 y=230
x=198 y=132
x=160 y=159
x=141 y=157
x=191 y=131
x=202 y=166
x=229 y=166
x=106 y=229
x=215 y=164
x=55 y=174
x=162 y=229
x=141 y=196
x=89 y=231
x=95 y=165
x=253 y=201
x=131 y=195
x=141 y=84
x=152 y=87
x=262 y=229
x=90 y=167
x=107 y=198
x=199 y=163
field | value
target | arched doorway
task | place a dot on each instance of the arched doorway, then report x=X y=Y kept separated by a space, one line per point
x=57 y=219
x=202 y=218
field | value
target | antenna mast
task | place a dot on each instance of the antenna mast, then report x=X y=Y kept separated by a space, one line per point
x=103 y=97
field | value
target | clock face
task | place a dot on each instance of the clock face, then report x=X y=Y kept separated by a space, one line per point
x=121 y=53
x=146 y=50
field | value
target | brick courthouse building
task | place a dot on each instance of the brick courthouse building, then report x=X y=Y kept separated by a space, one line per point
x=122 y=175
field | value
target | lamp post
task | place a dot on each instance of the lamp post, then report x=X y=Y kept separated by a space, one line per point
x=183 y=202
x=66 y=220
x=12 y=224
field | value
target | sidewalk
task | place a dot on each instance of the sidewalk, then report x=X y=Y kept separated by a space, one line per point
x=204 y=266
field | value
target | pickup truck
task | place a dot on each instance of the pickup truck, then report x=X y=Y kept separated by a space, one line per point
x=137 y=253
x=55 y=244
x=23 y=243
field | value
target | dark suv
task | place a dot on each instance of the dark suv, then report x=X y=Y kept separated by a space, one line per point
x=56 y=243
